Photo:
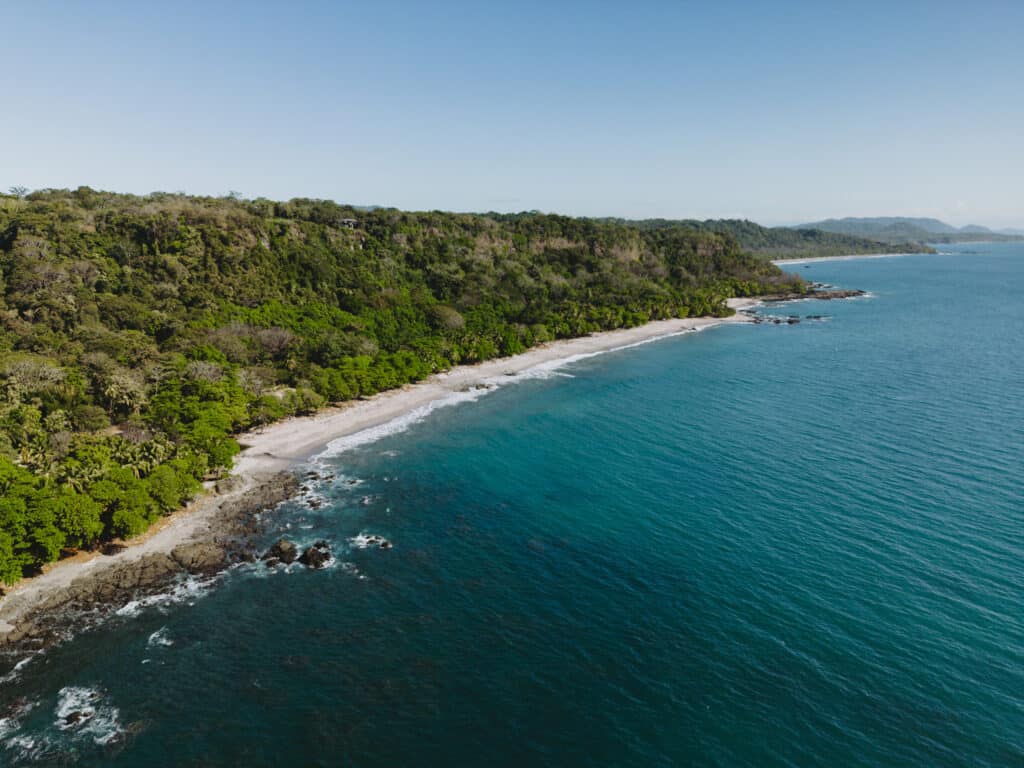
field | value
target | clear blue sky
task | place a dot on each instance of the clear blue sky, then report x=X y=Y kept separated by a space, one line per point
x=780 y=112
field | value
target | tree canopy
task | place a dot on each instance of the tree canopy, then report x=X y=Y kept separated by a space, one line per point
x=139 y=334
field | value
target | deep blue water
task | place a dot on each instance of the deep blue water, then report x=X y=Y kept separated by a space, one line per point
x=753 y=546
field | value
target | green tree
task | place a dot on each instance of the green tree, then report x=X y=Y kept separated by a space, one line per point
x=79 y=516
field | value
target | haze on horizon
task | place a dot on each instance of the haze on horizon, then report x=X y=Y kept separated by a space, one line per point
x=782 y=114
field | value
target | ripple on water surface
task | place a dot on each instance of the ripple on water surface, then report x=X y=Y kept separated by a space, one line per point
x=766 y=545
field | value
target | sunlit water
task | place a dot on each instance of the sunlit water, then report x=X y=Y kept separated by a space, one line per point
x=753 y=546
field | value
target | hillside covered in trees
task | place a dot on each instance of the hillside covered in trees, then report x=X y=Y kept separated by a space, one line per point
x=139 y=334
x=901 y=230
x=787 y=242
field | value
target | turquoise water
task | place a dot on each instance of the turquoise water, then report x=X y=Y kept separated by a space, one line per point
x=753 y=546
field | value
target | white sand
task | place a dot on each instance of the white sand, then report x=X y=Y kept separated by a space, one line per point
x=286 y=443
x=787 y=262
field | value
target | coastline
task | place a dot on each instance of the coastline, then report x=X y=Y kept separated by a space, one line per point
x=814 y=259
x=284 y=443
x=272 y=451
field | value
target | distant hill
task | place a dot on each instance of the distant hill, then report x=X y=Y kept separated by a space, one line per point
x=901 y=230
x=784 y=242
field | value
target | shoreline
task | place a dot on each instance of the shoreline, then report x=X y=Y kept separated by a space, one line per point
x=278 y=448
x=814 y=259
x=284 y=443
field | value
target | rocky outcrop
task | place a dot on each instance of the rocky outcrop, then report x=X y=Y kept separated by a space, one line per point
x=316 y=556
x=237 y=523
x=124 y=579
x=283 y=551
x=825 y=294
x=118 y=581
x=199 y=557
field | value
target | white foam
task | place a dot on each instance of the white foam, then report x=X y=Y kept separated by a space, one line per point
x=365 y=540
x=159 y=639
x=373 y=434
x=16 y=669
x=11 y=723
x=26 y=747
x=544 y=370
x=351 y=569
x=187 y=591
x=96 y=719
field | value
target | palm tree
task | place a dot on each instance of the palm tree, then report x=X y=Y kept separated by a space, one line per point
x=122 y=391
x=78 y=476
x=37 y=457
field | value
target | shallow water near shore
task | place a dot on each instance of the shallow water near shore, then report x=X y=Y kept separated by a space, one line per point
x=760 y=545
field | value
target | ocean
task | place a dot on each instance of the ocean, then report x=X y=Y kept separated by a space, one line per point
x=759 y=545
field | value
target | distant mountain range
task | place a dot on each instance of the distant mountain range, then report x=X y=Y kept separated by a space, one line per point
x=897 y=229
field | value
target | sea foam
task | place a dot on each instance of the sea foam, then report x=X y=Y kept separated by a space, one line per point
x=84 y=713
x=545 y=370
x=187 y=591
x=400 y=424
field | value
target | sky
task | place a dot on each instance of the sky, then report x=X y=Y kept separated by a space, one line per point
x=780 y=112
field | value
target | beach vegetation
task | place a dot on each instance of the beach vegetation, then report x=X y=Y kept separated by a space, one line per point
x=140 y=335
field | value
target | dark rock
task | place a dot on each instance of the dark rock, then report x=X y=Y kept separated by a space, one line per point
x=199 y=557
x=74 y=718
x=113 y=548
x=283 y=550
x=316 y=556
x=111 y=584
x=818 y=292
x=146 y=572
x=273 y=562
x=373 y=540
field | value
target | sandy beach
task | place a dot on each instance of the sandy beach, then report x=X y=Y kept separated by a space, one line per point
x=286 y=442
x=789 y=262
x=282 y=445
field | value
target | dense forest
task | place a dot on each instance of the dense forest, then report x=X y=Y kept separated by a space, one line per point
x=786 y=242
x=140 y=334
